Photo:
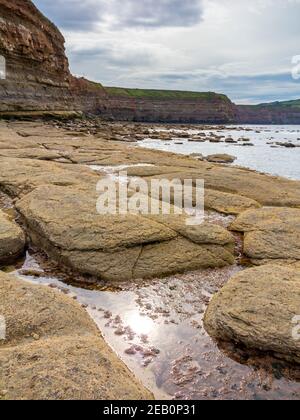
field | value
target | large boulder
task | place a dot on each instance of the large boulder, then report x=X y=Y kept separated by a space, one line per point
x=65 y=223
x=53 y=350
x=12 y=239
x=258 y=308
x=270 y=233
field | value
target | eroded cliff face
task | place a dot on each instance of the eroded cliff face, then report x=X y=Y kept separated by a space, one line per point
x=37 y=69
x=211 y=110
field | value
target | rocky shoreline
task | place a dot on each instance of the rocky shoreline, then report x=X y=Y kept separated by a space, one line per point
x=48 y=171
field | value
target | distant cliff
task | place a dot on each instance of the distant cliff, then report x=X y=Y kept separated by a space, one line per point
x=170 y=106
x=38 y=80
x=273 y=113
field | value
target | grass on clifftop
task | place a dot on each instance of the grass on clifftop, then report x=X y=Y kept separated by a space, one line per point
x=284 y=104
x=163 y=94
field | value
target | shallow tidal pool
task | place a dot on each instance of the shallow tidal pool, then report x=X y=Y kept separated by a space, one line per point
x=156 y=328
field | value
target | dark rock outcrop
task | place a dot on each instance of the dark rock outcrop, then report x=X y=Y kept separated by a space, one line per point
x=37 y=69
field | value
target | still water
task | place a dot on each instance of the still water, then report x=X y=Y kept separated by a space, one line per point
x=265 y=156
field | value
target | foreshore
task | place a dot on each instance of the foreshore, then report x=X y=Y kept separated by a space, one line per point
x=48 y=177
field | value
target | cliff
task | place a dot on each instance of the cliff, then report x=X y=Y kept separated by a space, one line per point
x=170 y=106
x=37 y=69
x=273 y=113
x=38 y=80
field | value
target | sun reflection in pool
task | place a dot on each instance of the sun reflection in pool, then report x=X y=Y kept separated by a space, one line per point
x=139 y=324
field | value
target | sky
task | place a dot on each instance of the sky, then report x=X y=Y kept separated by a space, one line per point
x=249 y=50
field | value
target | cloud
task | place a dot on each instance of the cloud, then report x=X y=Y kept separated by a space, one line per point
x=72 y=14
x=237 y=47
x=114 y=57
x=158 y=13
x=86 y=14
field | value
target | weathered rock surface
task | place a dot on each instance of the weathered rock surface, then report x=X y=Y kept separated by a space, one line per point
x=266 y=190
x=37 y=70
x=242 y=183
x=221 y=158
x=54 y=351
x=12 y=239
x=270 y=233
x=20 y=176
x=58 y=219
x=257 y=309
x=65 y=223
x=227 y=203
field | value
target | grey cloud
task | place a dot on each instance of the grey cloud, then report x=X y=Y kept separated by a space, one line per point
x=157 y=13
x=112 y=57
x=72 y=14
x=85 y=14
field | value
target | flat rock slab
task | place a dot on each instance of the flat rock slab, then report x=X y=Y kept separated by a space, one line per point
x=270 y=233
x=64 y=222
x=257 y=308
x=264 y=189
x=12 y=239
x=227 y=203
x=20 y=176
x=54 y=351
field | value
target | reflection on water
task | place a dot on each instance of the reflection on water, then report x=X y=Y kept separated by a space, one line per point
x=266 y=156
x=156 y=328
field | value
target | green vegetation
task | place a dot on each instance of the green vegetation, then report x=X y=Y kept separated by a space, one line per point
x=163 y=94
x=284 y=104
